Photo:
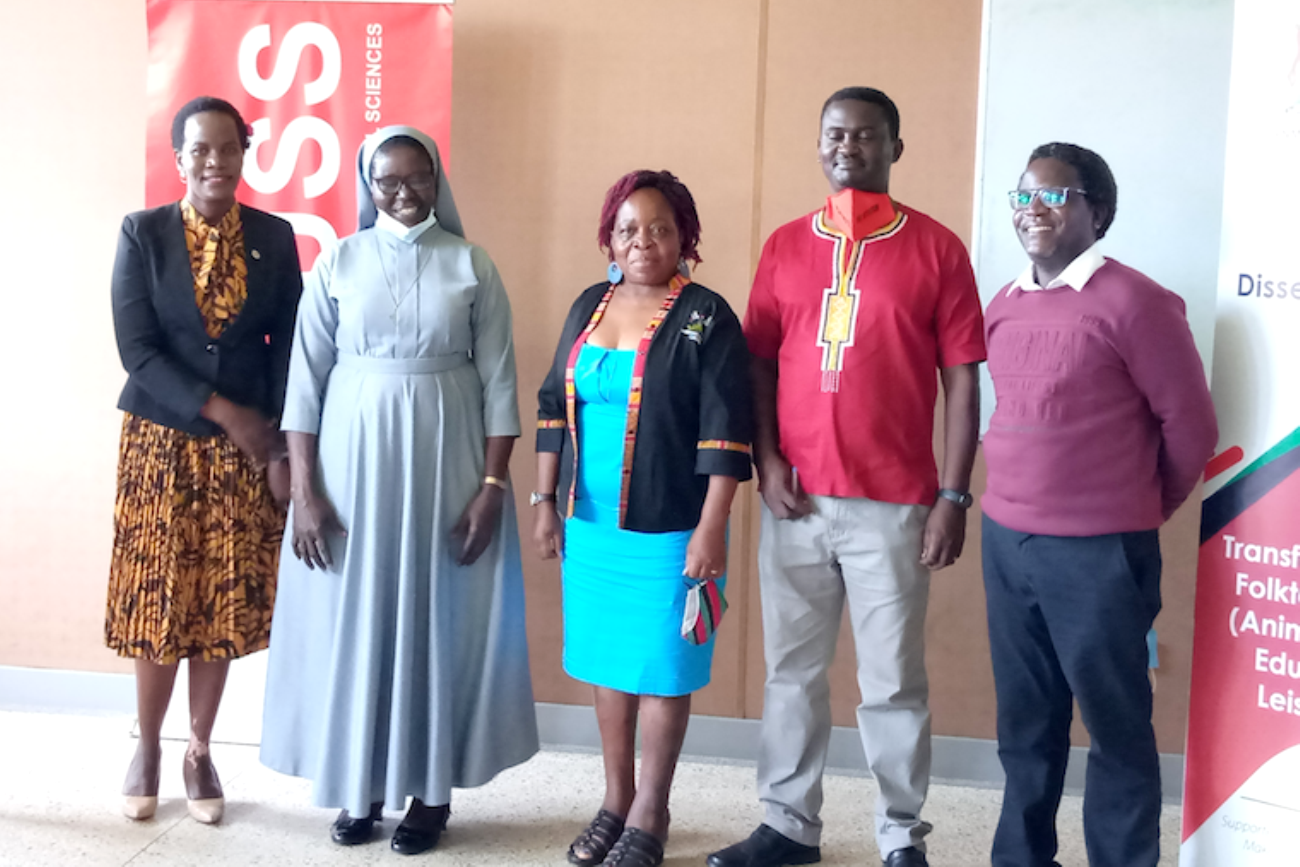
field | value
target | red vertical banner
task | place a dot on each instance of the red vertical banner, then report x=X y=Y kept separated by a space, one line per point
x=312 y=79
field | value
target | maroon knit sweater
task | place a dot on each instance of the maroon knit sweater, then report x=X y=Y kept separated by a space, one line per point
x=1103 y=421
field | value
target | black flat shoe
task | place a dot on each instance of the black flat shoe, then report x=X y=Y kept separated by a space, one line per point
x=766 y=847
x=596 y=840
x=421 y=829
x=352 y=831
x=635 y=848
x=909 y=857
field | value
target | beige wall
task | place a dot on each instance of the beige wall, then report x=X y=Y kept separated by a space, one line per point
x=73 y=108
x=553 y=101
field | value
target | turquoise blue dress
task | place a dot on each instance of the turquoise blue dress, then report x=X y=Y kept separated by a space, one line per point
x=624 y=591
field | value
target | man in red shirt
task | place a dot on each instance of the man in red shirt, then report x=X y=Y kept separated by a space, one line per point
x=857 y=311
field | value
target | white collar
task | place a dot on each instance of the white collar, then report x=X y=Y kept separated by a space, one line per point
x=409 y=234
x=1076 y=275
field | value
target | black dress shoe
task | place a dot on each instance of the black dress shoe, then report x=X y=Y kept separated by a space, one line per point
x=421 y=829
x=909 y=857
x=766 y=847
x=351 y=831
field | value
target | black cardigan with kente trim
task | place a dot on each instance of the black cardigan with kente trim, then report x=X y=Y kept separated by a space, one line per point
x=696 y=416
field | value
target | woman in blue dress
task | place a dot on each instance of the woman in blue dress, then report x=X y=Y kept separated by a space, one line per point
x=650 y=382
x=399 y=662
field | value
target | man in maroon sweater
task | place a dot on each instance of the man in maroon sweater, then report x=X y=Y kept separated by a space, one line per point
x=1103 y=426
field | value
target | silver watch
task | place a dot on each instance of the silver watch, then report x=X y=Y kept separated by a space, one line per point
x=534 y=498
x=962 y=499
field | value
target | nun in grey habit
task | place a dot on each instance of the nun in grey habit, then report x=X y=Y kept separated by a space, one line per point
x=399 y=661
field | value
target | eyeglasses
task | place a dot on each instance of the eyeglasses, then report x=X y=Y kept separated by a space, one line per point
x=1052 y=197
x=420 y=183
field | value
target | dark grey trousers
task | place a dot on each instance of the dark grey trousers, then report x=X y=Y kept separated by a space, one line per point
x=1068 y=619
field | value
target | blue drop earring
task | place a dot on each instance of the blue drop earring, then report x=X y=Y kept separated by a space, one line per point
x=614 y=273
x=683 y=269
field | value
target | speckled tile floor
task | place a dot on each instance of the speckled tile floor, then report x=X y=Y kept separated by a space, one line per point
x=59 y=776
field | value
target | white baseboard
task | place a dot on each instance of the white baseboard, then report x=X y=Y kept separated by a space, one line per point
x=963 y=761
x=100 y=694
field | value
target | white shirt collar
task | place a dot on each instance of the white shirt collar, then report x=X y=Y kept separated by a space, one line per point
x=1076 y=275
x=409 y=234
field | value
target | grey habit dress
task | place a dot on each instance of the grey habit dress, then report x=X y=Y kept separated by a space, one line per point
x=398 y=672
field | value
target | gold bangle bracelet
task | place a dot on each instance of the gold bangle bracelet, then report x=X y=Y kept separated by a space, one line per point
x=493 y=480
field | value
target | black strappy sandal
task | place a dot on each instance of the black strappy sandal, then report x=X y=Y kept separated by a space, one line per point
x=596 y=840
x=635 y=848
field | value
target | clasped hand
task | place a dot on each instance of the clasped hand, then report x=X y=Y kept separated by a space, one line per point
x=253 y=434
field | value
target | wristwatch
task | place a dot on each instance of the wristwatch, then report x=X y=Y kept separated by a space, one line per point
x=534 y=498
x=962 y=499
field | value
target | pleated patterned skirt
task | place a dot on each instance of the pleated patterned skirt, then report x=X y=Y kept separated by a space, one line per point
x=195 y=548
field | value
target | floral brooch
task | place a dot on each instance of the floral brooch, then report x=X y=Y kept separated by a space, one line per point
x=696 y=325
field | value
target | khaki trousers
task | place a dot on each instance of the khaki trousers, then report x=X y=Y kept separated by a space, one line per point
x=868 y=554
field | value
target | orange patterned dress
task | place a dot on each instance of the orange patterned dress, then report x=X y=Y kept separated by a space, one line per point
x=196 y=532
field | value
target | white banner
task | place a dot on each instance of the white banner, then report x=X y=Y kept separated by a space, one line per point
x=1241 y=799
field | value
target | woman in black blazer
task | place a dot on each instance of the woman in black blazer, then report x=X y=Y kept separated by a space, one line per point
x=204 y=297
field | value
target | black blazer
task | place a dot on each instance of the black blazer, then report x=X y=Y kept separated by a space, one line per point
x=173 y=365
x=696 y=413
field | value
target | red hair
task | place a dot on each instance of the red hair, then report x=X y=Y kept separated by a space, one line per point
x=679 y=200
